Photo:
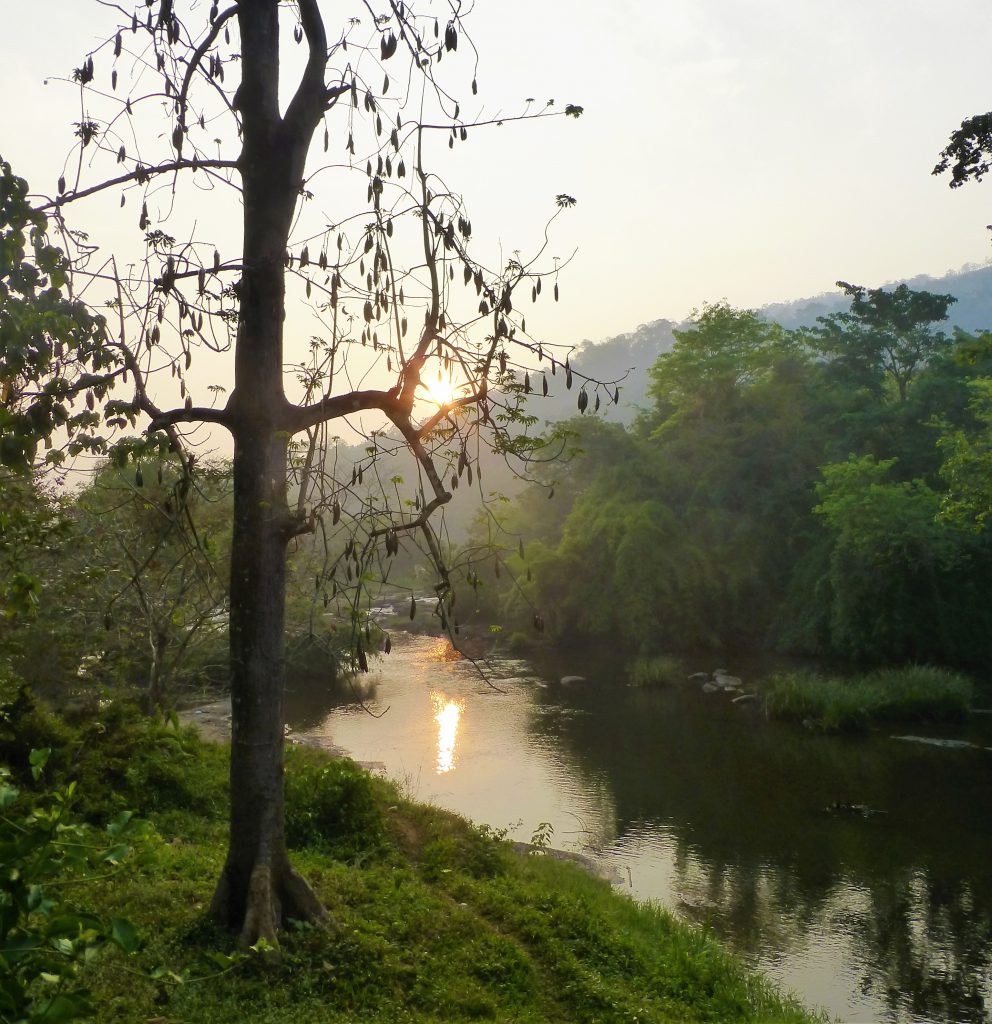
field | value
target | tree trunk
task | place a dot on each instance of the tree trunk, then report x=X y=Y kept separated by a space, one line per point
x=258 y=890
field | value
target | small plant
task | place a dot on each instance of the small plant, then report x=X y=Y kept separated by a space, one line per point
x=540 y=840
x=44 y=939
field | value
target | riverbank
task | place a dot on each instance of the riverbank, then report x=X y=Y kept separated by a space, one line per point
x=432 y=919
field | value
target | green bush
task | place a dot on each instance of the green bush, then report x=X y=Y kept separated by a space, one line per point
x=43 y=938
x=331 y=807
x=834 y=704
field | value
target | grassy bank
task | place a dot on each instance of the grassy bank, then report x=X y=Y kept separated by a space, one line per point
x=834 y=704
x=433 y=919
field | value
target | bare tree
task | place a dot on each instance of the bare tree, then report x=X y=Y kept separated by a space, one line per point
x=399 y=294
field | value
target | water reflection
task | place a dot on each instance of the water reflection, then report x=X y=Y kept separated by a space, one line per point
x=447 y=714
x=726 y=818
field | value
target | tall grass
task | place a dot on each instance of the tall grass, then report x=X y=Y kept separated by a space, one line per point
x=835 y=704
x=659 y=670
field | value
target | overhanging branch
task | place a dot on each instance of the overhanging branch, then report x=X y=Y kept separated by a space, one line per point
x=140 y=174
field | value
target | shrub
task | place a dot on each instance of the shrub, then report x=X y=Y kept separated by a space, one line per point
x=44 y=939
x=834 y=704
x=331 y=807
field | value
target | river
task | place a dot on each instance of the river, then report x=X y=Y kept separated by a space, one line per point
x=745 y=826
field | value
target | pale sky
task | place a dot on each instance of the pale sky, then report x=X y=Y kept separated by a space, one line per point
x=752 y=150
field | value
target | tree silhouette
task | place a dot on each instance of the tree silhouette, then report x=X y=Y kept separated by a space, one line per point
x=398 y=294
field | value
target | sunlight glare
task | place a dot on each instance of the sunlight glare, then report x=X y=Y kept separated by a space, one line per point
x=447 y=713
x=441 y=391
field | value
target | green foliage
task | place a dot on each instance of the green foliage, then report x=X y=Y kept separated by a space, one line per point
x=39 y=382
x=723 y=351
x=885 y=337
x=332 y=807
x=835 y=704
x=900 y=581
x=787 y=490
x=44 y=938
x=657 y=670
x=967 y=463
x=115 y=757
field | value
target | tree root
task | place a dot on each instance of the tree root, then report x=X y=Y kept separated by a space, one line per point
x=272 y=895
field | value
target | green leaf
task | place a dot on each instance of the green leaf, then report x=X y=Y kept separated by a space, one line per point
x=38 y=758
x=123 y=933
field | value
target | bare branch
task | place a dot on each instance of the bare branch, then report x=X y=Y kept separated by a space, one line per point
x=303 y=417
x=198 y=55
x=140 y=173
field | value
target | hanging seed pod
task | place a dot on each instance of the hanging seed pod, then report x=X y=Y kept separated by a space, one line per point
x=363 y=662
x=387 y=645
x=139 y=479
x=583 y=400
x=596 y=406
x=496 y=567
x=413 y=607
x=544 y=384
x=556 y=291
x=568 y=377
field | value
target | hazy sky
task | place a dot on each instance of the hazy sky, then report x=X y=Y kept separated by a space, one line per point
x=753 y=150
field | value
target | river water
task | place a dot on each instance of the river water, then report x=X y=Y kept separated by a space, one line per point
x=739 y=824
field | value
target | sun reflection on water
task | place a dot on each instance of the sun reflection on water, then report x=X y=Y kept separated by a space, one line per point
x=447 y=712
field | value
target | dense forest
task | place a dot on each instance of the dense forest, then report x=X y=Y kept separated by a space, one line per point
x=818 y=490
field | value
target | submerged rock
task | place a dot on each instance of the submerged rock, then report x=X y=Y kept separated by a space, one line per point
x=858 y=810
x=726 y=681
x=936 y=741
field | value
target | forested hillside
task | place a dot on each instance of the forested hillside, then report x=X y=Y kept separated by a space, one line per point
x=817 y=489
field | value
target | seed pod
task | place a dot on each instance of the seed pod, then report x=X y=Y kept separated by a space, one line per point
x=413 y=606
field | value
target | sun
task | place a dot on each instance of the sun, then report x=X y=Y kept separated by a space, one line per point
x=441 y=391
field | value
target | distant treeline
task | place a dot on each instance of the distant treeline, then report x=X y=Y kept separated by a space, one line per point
x=820 y=490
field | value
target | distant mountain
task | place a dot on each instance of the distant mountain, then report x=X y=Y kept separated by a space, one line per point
x=972 y=287
x=627 y=356
x=636 y=352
